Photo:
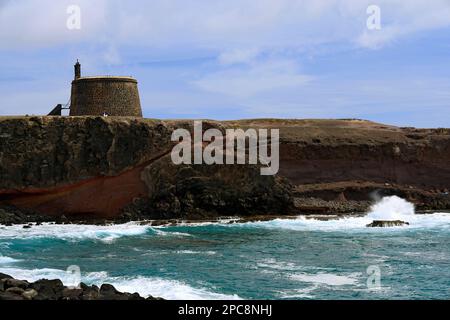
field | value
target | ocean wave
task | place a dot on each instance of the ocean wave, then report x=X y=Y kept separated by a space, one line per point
x=5 y=245
x=171 y=233
x=304 y=293
x=145 y=286
x=110 y=233
x=387 y=208
x=318 y=281
x=209 y=253
x=328 y=279
x=36 y=274
x=7 y=260
x=219 y=221
x=75 y=232
x=358 y=224
x=167 y=289
x=272 y=264
x=392 y=208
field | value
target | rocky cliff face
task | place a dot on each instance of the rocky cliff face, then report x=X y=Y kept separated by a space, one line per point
x=342 y=166
x=95 y=167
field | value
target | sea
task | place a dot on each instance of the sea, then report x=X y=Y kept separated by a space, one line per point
x=297 y=258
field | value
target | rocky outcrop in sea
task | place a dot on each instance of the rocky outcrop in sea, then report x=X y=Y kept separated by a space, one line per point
x=387 y=224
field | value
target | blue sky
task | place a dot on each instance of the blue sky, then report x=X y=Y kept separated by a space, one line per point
x=236 y=58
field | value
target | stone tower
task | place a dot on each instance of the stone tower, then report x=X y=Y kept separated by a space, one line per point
x=110 y=95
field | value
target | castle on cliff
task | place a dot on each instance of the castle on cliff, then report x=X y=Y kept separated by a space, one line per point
x=102 y=95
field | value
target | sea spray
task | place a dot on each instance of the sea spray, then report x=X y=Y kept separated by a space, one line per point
x=73 y=232
x=157 y=286
x=295 y=258
x=7 y=260
x=392 y=208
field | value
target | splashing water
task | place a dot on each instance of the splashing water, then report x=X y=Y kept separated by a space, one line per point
x=278 y=259
x=392 y=208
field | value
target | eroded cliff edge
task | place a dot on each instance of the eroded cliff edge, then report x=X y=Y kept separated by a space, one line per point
x=94 y=167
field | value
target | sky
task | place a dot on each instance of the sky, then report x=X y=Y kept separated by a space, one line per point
x=236 y=59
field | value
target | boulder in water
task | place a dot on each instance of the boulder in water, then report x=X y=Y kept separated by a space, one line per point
x=387 y=223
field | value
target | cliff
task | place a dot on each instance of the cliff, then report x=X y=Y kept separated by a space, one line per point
x=94 y=167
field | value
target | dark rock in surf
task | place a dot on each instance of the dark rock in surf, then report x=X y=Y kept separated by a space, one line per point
x=387 y=223
x=13 y=289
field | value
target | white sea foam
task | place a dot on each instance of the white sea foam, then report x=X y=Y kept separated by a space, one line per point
x=304 y=293
x=272 y=265
x=320 y=280
x=209 y=253
x=171 y=233
x=388 y=208
x=168 y=289
x=220 y=221
x=145 y=286
x=326 y=279
x=74 y=232
x=5 y=245
x=358 y=224
x=35 y=274
x=7 y=260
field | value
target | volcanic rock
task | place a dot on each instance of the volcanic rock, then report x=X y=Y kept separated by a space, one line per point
x=119 y=168
x=387 y=223
x=13 y=289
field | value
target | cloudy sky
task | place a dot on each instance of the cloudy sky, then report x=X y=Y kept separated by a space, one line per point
x=235 y=59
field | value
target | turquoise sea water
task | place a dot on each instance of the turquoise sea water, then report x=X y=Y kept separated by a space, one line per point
x=280 y=259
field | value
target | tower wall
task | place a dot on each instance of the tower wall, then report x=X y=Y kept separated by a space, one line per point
x=115 y=96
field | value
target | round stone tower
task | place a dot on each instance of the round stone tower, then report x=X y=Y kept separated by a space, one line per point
x=104 y=95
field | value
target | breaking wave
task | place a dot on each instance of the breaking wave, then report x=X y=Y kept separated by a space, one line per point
x=327 y=279
x=145 y=286
x=388 y=208
x=7 y=260
x=392 y=208
x=75 y=232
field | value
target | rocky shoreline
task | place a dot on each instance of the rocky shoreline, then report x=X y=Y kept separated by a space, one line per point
x=11 y=216
x=28 y=222
x=14 y=289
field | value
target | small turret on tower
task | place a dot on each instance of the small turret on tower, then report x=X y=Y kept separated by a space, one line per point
x=77 y=70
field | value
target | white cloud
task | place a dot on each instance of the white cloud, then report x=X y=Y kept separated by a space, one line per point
x=217 y=25
x=111 y=55
x=41 y=24
x=238 y=56
x=401 y=19
x=258 y=77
